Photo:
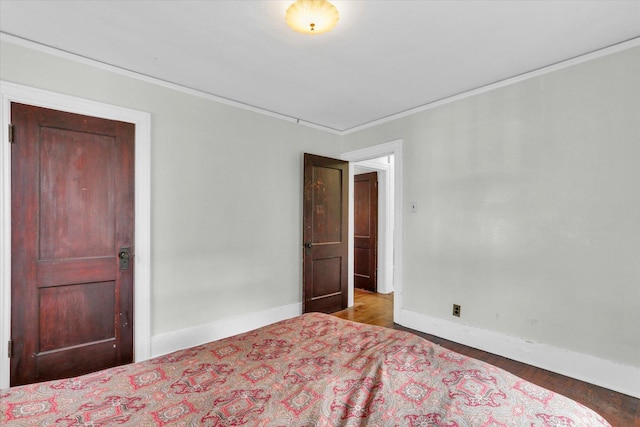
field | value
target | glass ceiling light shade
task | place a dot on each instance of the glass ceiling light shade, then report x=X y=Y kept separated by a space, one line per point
x=312 y=16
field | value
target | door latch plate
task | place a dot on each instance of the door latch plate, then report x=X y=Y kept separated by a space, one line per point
x=124 y=256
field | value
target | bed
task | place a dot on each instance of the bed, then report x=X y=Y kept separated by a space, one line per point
x=312 y=370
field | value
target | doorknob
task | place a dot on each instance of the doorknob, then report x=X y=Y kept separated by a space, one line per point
x=307 y=248
x=124 y=255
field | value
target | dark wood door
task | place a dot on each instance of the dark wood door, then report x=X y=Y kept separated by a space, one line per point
x=325 y=223
x=365 y=242
x=72 y=208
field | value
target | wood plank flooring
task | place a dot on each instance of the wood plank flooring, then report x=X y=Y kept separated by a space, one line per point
x=618 y=409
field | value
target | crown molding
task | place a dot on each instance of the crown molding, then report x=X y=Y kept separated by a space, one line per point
x=619 y=47
x=629 y=44
x=9 y=38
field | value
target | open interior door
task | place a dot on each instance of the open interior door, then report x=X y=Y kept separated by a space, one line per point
x=325 y=235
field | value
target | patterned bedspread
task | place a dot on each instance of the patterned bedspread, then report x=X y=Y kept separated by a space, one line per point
x=312 y=370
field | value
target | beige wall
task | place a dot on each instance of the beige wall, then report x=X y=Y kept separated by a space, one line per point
x=226 y=191
x=529 y=208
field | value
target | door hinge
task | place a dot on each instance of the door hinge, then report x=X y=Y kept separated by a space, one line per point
x=10 y=349
x=10 y=134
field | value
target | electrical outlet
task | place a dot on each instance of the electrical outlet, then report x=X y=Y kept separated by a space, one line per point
x=456 y=310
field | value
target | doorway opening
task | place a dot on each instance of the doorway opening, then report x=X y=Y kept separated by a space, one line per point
x=386 y=161
x=382 y=167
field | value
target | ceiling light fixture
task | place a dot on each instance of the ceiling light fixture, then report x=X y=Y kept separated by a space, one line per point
x=312 y=16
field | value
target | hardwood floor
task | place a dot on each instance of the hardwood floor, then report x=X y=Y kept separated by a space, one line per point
x=618 y=409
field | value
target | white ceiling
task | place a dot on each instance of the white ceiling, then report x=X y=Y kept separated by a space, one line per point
x=383 y=58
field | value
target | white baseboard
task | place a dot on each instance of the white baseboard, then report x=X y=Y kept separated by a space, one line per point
x=605 y=373
x=184 y=338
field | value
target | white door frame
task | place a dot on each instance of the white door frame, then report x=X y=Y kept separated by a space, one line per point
x=390 y=148
x=11 y=92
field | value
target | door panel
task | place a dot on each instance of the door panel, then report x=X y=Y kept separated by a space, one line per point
x=366 y=231
x=80 y=305
x=64 y=193
x=72 y=210
x=325 y=234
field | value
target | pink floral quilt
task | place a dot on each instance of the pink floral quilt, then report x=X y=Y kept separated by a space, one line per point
x=312 y=370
